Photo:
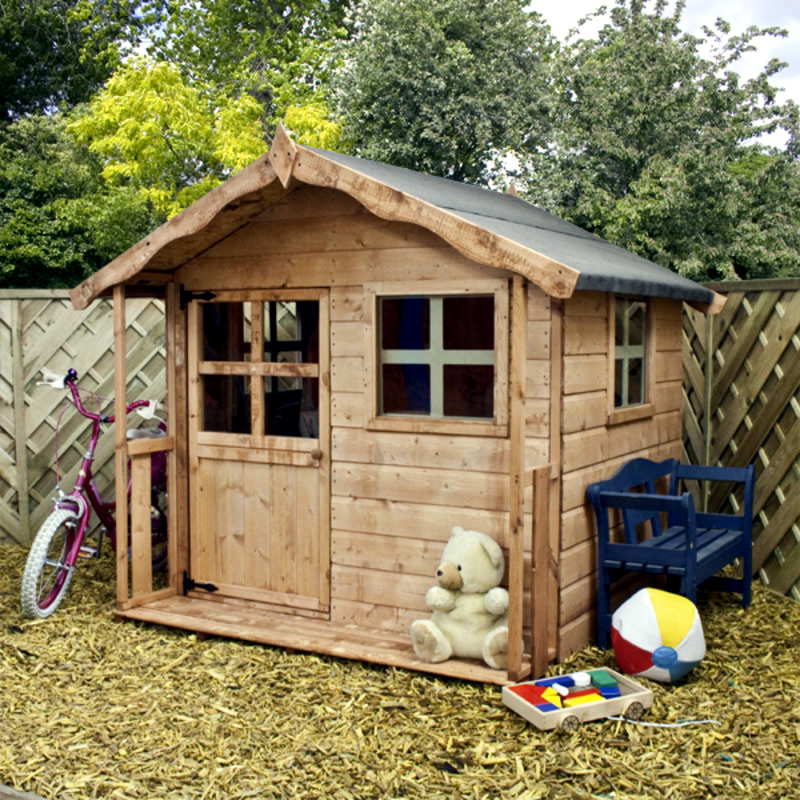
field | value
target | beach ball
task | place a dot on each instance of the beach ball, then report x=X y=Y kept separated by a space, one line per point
x=657 y=635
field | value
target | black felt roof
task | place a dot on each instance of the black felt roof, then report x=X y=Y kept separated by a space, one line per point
x=603 y=267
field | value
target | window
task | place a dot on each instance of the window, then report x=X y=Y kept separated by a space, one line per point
x=270 y=347
x=630 y=362
x=631 y=353
x=436 y=357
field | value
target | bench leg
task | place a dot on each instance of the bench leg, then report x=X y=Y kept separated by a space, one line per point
x=603 y=608
x=747 y=576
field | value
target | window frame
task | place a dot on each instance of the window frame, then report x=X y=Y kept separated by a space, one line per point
x=636 y=411
x=498 y=425
x=255 y=371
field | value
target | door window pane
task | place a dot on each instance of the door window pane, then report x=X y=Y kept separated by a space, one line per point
x=291 y=331
x=226 y=331
x=226 y=403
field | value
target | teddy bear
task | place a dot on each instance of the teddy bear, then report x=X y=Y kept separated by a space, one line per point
x=470 y=609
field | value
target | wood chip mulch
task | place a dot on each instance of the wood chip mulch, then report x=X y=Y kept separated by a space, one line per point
x=90 y=707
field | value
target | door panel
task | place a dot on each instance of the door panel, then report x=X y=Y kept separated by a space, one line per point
x=259 y=447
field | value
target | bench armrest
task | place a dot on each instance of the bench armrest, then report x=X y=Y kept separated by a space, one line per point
x=680 y=510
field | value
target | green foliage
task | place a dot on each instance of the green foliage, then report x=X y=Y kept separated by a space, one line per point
x=59 y=222
x=444 y=87
x=59 y=52
x=171 y=141
x=655 y=147
x=278 y=52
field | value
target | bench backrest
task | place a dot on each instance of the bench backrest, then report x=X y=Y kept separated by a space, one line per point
x=642 y=475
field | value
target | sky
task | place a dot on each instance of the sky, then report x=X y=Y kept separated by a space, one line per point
x=564 y=15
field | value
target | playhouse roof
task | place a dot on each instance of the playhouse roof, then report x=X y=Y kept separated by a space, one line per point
x=490 y=227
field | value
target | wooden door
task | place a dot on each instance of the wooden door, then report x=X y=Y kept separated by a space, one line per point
x=259 y=433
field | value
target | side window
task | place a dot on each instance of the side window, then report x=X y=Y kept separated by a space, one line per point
x=630 y=352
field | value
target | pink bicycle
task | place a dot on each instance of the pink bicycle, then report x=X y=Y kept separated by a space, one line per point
x=59 y=542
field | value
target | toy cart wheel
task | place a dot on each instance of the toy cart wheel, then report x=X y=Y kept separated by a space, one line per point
x=634 y=711
x=570 y=724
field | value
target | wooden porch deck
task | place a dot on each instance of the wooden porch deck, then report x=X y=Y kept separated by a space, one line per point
x=303 y=633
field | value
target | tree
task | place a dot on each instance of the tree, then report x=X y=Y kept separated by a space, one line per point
x=444 y=87
x=279 y=52
x=656 y=146
x=59 y=221
x=57 y=53
x=171 y=141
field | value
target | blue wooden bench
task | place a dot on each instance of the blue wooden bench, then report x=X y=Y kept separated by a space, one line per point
x=691 y=547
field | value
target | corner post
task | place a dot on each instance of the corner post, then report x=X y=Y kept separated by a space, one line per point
x=516 y=488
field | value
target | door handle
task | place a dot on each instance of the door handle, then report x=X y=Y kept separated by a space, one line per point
x=316 y=454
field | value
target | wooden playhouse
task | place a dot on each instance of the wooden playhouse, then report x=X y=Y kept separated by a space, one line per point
x=361 y=357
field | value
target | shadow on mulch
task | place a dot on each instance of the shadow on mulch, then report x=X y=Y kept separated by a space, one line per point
x=95 y=708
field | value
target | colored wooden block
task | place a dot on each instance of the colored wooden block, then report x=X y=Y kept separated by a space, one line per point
x=584 y=693
x=563 y=680
x=601 y=679
x=529 y=692
x=545 y=707
x=579 y=700
x=609 y=692
x=551 y=696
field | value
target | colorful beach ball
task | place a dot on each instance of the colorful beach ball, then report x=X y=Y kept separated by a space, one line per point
x=657 y=635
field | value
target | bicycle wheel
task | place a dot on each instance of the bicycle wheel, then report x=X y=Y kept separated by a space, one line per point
x=47 y=576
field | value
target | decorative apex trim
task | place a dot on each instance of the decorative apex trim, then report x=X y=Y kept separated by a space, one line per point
x=282 y=155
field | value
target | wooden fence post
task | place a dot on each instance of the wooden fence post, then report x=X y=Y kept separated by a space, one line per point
x=20 y=426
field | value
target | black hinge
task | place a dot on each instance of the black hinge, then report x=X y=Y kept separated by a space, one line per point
x=189 y=584
x=186 y=296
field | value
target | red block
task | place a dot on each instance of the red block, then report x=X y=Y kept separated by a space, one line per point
x=530 y=692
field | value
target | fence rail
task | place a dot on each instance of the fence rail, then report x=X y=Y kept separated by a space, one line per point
x=40 y=330
x=741 y=404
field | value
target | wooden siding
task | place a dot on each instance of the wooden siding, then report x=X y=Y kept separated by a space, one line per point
x=593 y=449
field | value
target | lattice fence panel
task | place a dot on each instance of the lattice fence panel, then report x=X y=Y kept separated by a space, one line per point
x=50 y=334
x=754 y=406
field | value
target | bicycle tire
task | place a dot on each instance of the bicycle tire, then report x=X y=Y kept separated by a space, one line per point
x=43 y=590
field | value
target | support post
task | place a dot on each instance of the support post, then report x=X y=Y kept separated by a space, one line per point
x=120 y=443
x=540 y=571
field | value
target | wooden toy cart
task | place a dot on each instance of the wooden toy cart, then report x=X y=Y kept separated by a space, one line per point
x=633 y=701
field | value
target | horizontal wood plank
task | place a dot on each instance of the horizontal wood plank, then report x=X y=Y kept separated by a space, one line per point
x=425 y=450
x=585 y=373
x=410 y=484
x=330 y=269
x=414 y=520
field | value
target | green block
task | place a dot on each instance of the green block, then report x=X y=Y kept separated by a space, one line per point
x=602 y=680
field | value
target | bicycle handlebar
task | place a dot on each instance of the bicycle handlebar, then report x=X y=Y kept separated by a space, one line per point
x=145 y=408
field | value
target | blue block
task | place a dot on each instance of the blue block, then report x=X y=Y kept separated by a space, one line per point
x=563 y=680
x=610 y=691
x=546 y=707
